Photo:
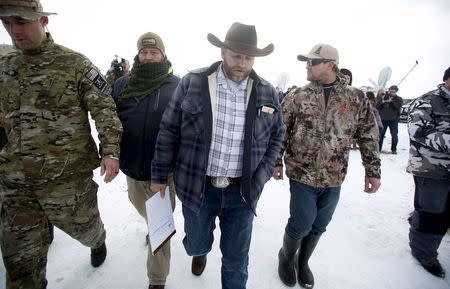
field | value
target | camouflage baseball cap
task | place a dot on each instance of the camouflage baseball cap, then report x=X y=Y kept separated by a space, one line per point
x=321 y=51
x=26 y=9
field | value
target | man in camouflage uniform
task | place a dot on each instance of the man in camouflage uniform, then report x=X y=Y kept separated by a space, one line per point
x=429 y=163
x=4 y=49
x=321 y=120
x=46 y=92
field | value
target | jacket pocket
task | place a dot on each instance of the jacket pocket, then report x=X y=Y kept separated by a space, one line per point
x=264 y=121
x=192 y=119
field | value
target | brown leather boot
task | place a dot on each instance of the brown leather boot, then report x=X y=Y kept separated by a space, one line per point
x=198 y=265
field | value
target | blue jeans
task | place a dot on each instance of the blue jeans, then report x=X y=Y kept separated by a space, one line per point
x=236 y=223
x=393 y=128
x=311 y=209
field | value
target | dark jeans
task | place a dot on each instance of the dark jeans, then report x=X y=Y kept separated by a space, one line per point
x=311 y=209
x=236 y=221
x=430 y=219
x=393 y=128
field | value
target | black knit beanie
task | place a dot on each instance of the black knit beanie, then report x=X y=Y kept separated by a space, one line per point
x=446 y=74
x=345 y=71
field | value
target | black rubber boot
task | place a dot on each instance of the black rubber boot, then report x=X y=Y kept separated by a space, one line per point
x=433 y=266
x=286 y=260
x=304 y=275
x=98 y=255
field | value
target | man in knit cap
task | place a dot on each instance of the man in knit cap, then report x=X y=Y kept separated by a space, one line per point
x=46 y=93
x=141 y=98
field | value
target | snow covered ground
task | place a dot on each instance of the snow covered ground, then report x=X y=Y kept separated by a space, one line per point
x=365 y=247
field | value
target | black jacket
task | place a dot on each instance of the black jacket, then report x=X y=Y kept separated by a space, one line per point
x=389 y=107
x=140 y=121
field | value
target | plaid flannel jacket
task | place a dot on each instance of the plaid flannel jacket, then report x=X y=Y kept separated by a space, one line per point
x=185 y=137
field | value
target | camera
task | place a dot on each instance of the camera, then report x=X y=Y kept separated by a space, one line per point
x=118 y=66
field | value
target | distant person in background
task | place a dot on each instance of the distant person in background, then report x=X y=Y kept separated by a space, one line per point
x=371 y=96
x=429 y=163
x=347 y=75
x=321 y=119
x=119 y=67
x=141 y=98
x=279 y=93
x=348 y=80
x=389 y=106
x=290 y=89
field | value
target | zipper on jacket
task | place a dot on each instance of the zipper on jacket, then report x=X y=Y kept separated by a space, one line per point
x=147 y=108
x=325 y=113
x=155 y=108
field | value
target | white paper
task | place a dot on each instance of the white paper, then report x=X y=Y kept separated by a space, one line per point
x=160 y=219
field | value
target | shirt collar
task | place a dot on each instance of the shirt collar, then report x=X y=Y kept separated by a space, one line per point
x=228 y=83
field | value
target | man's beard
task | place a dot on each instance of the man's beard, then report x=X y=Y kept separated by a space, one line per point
x=229 y=73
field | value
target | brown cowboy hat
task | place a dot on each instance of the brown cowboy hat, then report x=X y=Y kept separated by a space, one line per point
x=241 y=38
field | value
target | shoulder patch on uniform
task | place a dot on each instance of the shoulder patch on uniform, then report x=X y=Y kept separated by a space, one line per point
x=98 y=81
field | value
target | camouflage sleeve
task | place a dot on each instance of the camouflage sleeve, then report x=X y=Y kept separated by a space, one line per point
x=96 y=95
x=422 y=127
x=368 y=135
x=287 y=110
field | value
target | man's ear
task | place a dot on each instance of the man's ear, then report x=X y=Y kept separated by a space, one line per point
x=44 y=21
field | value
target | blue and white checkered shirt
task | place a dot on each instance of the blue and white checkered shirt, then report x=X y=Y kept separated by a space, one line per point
x=227 y=144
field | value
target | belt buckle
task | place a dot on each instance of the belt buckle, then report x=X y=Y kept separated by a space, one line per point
x=220 y=182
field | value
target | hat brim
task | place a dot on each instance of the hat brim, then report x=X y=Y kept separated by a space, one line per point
x=305 y=57
x=14 y=11
x=241 y=47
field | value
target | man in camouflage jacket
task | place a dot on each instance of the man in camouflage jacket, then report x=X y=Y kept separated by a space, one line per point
x=429 y=163
x=46 y=92
x=4 y=49
x=321 y=120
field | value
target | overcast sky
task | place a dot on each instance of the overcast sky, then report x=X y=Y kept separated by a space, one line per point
x=369 y=35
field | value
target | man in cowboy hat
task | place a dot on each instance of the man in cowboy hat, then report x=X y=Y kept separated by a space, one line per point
x=222 y=131
x=46 y=92
x=321 y=120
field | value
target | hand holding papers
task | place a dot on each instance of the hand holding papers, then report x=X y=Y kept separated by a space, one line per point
x=160 y=220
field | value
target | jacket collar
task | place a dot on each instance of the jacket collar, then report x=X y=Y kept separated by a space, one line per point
x=444 y=91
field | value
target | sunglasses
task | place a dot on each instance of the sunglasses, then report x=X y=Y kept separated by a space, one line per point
x=314 y=62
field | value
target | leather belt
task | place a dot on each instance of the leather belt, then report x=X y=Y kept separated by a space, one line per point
x=222 y=182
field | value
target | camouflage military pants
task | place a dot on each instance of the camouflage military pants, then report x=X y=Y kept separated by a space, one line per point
x=70 y=205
